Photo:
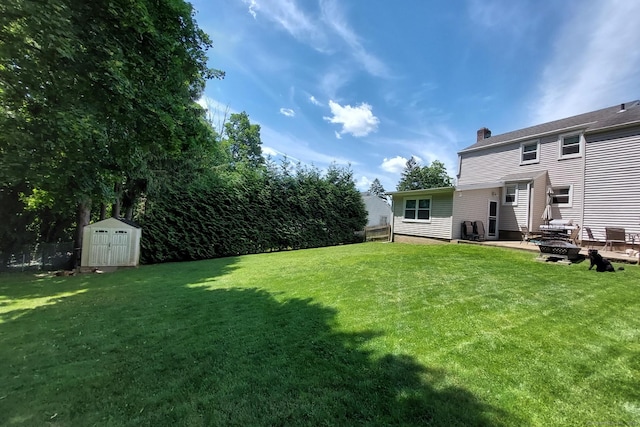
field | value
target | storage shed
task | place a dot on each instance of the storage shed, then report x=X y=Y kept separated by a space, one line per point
x=113 y=242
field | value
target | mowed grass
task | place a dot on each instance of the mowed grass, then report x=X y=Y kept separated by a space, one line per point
x=370 y=334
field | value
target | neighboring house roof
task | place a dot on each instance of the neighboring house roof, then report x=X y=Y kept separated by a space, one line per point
x=594 y=121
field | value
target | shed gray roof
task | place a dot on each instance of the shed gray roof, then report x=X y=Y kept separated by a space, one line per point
x=589 y=122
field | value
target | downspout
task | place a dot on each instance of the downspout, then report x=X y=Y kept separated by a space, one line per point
x=584 y=183
x=529 y=196
x=393 y=217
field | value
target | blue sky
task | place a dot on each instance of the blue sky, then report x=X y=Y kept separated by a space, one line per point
x=371 y=83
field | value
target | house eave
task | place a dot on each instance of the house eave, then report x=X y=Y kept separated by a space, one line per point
x=612 y=127
x=439 y=190
x=583 y=126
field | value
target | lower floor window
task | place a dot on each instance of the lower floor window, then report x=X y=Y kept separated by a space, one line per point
x=417 y=209
x=562 y=196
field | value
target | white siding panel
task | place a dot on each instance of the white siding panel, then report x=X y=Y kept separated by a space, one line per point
x=440 y=225
x=612 y=181
x=473 y=205
x=512 y=216
x=492 y=164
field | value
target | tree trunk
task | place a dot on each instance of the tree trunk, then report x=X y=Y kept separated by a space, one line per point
x=129 y=213
x=115 y=212
x=103 y=211
x=82 y=219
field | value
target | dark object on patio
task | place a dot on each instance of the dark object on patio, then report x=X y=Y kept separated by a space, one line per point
x=559 y=248
x=478 y=228
x=602 y=264
x=467 y=231
x=614 y=235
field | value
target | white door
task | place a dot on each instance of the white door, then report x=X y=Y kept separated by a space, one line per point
x=99 y=251
x=109 y=247
x=120 y=247
x=492 y=220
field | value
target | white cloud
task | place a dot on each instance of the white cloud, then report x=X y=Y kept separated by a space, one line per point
x=334 y=18
x=314 y=101
x=289 y=16
x=253 y=6
x=394 y=165
x=269 y=151
x=287 y=112
x=363 y=183
x=285 y=144
x=358 y=121
x=338 y=136
x=325 y=33
x=595 y=68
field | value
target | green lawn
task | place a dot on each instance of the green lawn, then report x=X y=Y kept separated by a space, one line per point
x=370 y=334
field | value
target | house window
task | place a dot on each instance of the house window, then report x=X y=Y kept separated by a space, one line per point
x=417 y=209
x=529 y=152
x=562 y=196
x=510 y=194
x=569 y=146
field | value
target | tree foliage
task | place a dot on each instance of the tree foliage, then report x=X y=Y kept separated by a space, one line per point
x=96 y=96
x=278 y=209
x=98 y=107
x=376 y=189
x=416 y=177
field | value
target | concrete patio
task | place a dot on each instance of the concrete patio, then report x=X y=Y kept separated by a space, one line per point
x=614 y=256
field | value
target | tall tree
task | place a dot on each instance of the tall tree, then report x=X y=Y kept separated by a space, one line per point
x=95 y=95
x=242 y=139
x=416 y=177
x=377 y=189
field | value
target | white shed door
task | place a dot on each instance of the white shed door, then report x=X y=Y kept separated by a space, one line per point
x=109 y=247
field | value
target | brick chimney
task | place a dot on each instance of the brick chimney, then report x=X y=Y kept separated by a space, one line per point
x=483 y=133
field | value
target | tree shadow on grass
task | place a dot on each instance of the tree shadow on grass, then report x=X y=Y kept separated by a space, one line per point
x=163 y=353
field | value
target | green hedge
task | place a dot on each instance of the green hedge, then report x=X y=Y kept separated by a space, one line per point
x=252 y=212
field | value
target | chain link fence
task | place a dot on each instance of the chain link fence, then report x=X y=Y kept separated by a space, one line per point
x=43 y=256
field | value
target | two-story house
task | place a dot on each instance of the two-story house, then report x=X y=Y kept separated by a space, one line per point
x=591 y=163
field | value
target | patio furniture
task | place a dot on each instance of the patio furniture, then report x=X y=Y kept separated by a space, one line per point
x=574 y=237
x=557 y=229
x=527 y=235
x=468 y=232
x=592 y=239
x=478 y=228
x=559 y=249
x=614 y=235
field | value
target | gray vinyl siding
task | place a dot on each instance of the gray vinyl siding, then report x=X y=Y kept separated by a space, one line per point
x=512 y=216
x=493 y=163
x=538 y=202
x=438 y=228
x=612 y=181
x=473 y=205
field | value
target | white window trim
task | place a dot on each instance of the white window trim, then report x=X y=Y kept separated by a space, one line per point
x=417 y=199
x=564 y=205
x=580 y=145
x=530 y=162
x=504 y=195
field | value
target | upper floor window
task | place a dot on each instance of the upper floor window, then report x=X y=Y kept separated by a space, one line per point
x=529 y=152
x=562 y=196
x=417 y=209
x=510 y=194
x=570 y=146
